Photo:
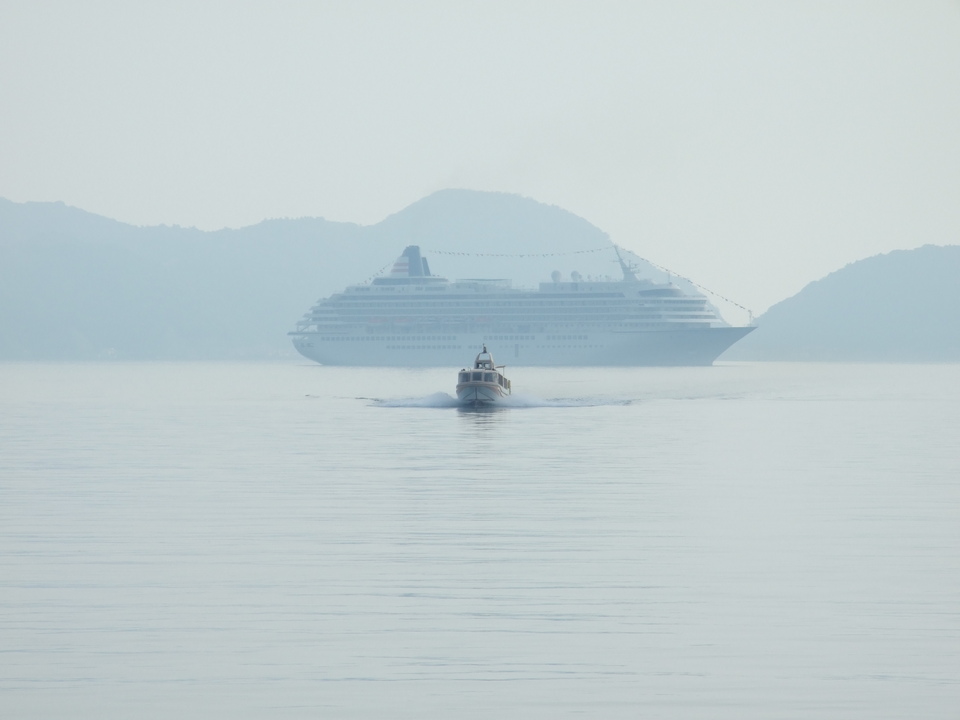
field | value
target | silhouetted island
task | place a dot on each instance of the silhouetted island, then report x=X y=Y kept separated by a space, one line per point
x=78 y=286
x=898 y=307
x=75 y=286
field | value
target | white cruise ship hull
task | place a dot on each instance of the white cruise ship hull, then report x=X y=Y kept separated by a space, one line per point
x=688 y=346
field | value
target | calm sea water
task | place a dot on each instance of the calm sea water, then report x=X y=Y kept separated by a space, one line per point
x=294 y=541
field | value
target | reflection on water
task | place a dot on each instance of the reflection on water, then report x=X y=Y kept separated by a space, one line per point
x=482 y=415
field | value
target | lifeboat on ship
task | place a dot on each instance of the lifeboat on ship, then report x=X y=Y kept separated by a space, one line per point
x=484 y=384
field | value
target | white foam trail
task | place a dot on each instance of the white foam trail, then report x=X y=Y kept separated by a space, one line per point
x=437 y=400
x=517 y=401
x=524 y=400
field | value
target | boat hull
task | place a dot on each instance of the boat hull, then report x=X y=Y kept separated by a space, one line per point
x=476 y=393
x=682 y=347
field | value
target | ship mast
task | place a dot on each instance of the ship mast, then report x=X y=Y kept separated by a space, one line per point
x=628 y=274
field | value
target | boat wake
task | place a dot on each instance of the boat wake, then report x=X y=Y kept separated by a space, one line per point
x=438 y=400
x=517 y=401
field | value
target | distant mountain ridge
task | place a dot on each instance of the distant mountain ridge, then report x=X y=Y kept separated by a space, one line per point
x=897 y=307
x=74 y=285
x=78 y=286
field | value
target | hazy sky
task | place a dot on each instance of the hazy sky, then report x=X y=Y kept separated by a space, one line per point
x=753 y=146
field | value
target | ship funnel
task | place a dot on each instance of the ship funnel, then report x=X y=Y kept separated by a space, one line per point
x=415 y=263
x=409 y=264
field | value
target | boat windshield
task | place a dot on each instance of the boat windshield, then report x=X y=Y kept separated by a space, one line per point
x=484 y=360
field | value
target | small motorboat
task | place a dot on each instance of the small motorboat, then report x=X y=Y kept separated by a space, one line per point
x=485 y=383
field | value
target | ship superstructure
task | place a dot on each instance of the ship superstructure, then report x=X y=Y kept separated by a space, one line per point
x=413 y=318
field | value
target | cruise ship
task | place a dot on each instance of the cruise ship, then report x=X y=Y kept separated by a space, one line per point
x=412 y=318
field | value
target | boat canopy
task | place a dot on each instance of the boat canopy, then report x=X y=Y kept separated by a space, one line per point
x=484 y=360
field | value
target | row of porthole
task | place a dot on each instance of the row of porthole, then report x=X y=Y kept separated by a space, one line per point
x=424 y=347
x=350 y=338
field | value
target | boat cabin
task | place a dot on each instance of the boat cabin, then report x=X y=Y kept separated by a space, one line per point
x=484 y=370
